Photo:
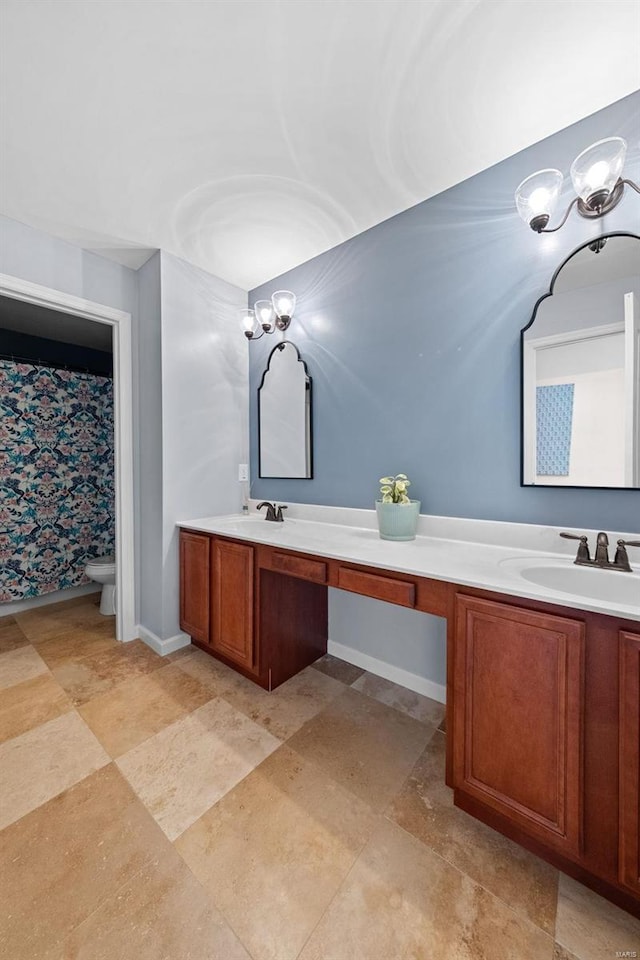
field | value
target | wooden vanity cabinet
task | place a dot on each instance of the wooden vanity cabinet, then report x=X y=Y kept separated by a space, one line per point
x=195 y=585
x=543 y=702
x=543 y=729
x=217 y=598
x=518 y=717
x=259 y=610
x=629 y=846
x=232 y=634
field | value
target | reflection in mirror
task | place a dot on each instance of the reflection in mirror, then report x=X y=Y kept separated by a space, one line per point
x=284 y=415
x=581 y=372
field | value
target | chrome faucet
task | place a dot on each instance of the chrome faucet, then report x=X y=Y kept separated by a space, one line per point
x=273 y=513
x=601 y=558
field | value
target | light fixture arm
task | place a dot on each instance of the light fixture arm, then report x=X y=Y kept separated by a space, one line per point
x=539 y=224
x=590 y=212
x=267 y=316
x=630 y=183
x=280 y=323
x=597 y=178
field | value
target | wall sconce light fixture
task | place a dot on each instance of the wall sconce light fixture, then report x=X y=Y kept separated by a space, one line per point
x=268 y=316
x=597 y=179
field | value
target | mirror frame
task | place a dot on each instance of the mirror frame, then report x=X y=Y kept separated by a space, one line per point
x=309 y=381
x=539 y=302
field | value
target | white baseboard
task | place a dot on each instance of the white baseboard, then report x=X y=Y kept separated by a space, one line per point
x=428 y=688
x=163 y=647
x=18 y=606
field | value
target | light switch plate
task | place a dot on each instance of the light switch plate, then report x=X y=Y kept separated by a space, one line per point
x=243 y=471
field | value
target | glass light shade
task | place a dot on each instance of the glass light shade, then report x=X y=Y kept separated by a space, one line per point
x=538 y=194
x=596 y=170
x=284 y=303
x=264 y=314
x=248 y=323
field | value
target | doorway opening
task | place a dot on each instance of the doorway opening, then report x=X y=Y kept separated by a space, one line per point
x=68 y=309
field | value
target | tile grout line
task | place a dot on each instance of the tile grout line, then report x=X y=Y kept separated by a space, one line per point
x=427 y=723
x=379 y=816
x=462 y=872
x=476 y=883
x=111 y=690
x=206 y=893
x=69 y=786
x=305 y=760
x=28 y=680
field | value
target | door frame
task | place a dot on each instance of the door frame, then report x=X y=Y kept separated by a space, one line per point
x=632 y=389
x=120 y=322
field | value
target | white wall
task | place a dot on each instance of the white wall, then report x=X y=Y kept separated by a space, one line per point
x=596 y=369
x=39 y=258
x=149 y=379
x=580 y=357
x=403 y=645
x=190 y=393
x=597 y=430
x=205 y=418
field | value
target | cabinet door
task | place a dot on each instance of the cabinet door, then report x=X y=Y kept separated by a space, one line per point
x=517 y=717
x=232 y=601
x=629 y=848
x=194 y=585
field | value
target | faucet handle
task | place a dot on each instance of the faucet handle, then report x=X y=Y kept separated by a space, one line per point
x=279 y=510
x=621 y=558
x=583 y=550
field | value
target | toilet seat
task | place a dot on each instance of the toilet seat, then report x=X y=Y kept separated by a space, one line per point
x=103 y=564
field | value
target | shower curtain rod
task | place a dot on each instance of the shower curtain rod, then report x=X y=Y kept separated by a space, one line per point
x=52 y=364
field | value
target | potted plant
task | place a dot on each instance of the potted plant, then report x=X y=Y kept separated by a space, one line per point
x=397 y=513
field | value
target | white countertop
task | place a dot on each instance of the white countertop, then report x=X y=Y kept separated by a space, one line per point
x=485 y=565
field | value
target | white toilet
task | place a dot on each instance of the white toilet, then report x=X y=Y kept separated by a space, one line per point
x=103 y=570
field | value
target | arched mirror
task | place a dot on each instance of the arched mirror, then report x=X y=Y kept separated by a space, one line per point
x=284 y=416
x=581 y=371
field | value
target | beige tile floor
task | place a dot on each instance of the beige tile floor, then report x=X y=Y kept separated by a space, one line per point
x=169 y=809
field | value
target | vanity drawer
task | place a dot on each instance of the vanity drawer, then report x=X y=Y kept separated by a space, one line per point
x=296 y=566
x=402 y=592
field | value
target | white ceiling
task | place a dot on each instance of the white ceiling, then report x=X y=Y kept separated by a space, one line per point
x=250 y=135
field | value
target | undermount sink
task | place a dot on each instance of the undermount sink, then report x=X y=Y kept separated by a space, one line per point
x=563 y=576
x=247 y=522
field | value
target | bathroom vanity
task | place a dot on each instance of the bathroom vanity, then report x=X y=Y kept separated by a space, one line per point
x=543 y=690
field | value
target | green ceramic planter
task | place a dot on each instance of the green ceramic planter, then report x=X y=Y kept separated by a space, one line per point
x=398 y=521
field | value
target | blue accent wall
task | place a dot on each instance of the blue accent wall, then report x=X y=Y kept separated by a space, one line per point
x=411 y=333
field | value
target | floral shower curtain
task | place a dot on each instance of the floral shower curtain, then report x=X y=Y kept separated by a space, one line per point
x=56 y=477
